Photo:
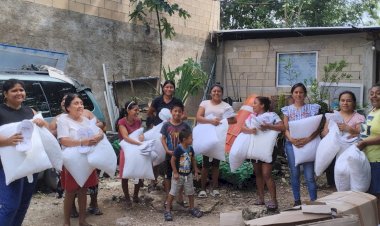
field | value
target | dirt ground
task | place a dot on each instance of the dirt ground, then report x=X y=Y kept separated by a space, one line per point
x=47 y=210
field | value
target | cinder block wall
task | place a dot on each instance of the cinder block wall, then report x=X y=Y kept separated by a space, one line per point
x=93 y=32
x=254 y=60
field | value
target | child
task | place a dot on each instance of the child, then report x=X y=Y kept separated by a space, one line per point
x=128 y=123
x=263 y=170
x=182 y=163
x=170 y=140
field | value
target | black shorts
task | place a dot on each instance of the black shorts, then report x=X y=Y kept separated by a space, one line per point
x=207 y=164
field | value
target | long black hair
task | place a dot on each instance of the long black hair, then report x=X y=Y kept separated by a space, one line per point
x=300 y=84
x=264 y=101
x=353 y=97
x=69 y=98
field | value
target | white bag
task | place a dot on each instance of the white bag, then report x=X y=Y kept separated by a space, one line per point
x=262 y=146
x=238 y=152
x=155 y=134
x=16 y=164
x=136 y=165
x=360 y=170
x=342 y=172
x=303 y=128
x=52 y=148
x=210 y=140
x=327 y=149
x=103 y=157
x=77 y=165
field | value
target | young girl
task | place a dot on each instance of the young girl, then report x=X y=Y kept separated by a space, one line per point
x=126 y=125
x=263 y=170
x=299 y=110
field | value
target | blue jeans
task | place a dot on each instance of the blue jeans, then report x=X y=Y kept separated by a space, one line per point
x=15 y=199
x=308 y=171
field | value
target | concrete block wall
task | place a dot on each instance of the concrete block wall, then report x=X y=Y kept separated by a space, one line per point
x=249 y=66
x=204 y=13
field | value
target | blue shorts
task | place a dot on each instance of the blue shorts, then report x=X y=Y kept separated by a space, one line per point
x=374 y=188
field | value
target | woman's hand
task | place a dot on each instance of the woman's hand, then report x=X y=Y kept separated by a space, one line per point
x=13 y=140
x=344 y=127
x=266 y=126
x=302 y=142
x=215 y=121
x=39 y=122
x=141 y=138
x=361 y=145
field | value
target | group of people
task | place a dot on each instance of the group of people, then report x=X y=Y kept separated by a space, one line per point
x=180 y=164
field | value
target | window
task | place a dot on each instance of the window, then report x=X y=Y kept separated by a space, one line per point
x=295 y=67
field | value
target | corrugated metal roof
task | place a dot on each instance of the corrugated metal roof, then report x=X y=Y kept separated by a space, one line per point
x=241 y=34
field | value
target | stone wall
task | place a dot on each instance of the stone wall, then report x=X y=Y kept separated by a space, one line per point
x=254 y=60
x=93 y=32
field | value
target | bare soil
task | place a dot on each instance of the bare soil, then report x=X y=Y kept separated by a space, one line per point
x=47 y=210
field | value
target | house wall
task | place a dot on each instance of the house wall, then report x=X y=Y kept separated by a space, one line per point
x=93 y=32
x=252 y=63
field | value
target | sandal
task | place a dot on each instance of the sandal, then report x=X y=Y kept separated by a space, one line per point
x=202 y=194
x=128 y=203
x=215 y=193
x=94 y=210
x=74 y=214
x=136 y=199
x=168 y=216
x=196 y=212
x=259 y=203
x=271 y=205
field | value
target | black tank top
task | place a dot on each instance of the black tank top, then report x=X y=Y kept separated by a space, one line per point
x=9 y=115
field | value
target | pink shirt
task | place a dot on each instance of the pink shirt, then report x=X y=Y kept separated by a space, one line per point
x=355 y=119
x=130 y=127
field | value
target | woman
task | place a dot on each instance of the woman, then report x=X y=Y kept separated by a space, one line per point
x=351 y=124
x=217 y=108
x=67 y=133
x=127 y=124
x=93 y=191
x=370 y=142
x=15 y=198
x=263 y=170
x=299 y=110
x=166 y=100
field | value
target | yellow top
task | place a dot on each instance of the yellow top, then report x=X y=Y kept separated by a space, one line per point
x=371 y=128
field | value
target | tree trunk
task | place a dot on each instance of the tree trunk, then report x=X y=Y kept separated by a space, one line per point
x=161 y=49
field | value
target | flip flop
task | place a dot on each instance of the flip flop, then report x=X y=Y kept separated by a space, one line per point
x=215 y=193
x=196 y=212
x=94 y=211
x=168 y=216
x=271 y=205
x=259 y=203
x=202 y=194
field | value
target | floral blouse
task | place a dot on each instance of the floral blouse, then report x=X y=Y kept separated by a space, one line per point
x=305 y=111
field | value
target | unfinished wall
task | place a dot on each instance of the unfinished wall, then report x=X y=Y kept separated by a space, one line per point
x=254 y=60
x=93 y=32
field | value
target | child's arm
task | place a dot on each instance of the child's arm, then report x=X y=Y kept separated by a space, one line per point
x=165 y=145
x=195 y=167
x=174 y=168
x=124 y=133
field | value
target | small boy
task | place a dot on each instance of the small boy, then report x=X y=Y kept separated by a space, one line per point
x=183 y=163
x=170 y=140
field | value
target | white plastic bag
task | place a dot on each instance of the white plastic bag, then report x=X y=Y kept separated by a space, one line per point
x=209 y=140
x=360 y=170
x=137 y=165
x=103 y=157
x=155 y=134
x=238 y=152
x=262 y=146
x=77 y=165
x=303 y=128
x=327 y=149
x=16 y=164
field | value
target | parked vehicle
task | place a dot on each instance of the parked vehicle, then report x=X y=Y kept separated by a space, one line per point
x=45 y=89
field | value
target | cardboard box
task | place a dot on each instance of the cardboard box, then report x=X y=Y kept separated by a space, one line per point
x=346 y=220
x=358 y=203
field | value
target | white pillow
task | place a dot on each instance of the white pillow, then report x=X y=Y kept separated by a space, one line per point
x=155 y=134
x=165 y=114
x=238 y=152
x=342 y=172
x=327 y=149
x=52 y=148
x=303 y=128
x=103 y=157
x=77 y=164
x=204 y=138
x=262 y=146
x=136 y=165
x=360 y=170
